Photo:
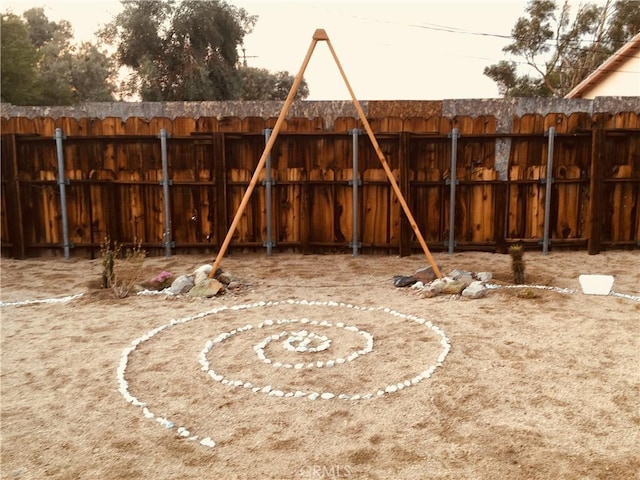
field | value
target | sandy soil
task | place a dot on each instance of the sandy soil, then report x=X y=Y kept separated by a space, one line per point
x=541 y=385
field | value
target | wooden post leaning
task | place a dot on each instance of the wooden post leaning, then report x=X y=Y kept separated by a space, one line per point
x=319 y=35
x=385 y=165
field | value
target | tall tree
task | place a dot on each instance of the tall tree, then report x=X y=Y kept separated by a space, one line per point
x=180 y=51
x=560 y=48
x=41 y=66
x=19 y=61
x=188 y=50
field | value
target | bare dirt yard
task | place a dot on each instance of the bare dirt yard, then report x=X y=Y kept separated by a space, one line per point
x=318 y=367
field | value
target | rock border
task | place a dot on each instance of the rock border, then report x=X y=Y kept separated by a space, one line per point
x=183 y=431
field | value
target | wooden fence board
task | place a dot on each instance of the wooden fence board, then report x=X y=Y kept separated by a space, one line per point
x=567 y=204
x=322 y=206
x=376 y=208
x=240 y=177
x=206 y=124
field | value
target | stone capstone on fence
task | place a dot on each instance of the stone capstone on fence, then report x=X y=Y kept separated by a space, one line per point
x=504 y=109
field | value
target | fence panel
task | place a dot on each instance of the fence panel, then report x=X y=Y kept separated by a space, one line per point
x=114 y=173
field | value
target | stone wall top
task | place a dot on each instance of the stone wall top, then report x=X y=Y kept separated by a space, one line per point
x=501 y=108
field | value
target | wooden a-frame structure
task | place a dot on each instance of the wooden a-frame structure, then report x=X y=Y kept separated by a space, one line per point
x=320 y=35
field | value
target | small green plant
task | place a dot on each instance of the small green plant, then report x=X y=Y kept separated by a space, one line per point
x=108 y=255
x=121 y=270
x=517 y=263
x=527 y=293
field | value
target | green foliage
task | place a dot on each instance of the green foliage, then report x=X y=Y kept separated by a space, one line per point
x=19 y=61
x=188 y=51
x=260 y=84
x=40 y=66
x=108 y=253
x=528 y=294
x=562 y=48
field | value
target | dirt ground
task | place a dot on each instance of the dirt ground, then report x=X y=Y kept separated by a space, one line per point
x=538 y=383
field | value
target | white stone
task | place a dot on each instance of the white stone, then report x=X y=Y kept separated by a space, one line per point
x=206 y=269
x=391 y=389
x=327 y=395
x=484 y=276
x=207 y=442
x=313 y=395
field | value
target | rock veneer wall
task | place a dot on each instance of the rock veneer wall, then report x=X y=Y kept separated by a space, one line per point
x=501 y=108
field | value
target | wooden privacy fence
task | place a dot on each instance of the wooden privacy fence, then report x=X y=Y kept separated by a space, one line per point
x=113 y=183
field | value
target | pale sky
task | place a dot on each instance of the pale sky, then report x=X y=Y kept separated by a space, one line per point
x=389 y=50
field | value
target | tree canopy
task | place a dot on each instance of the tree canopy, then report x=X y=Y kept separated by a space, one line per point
x=19 y=62
x=188 y=50
x=40 y=66
x=561 y=49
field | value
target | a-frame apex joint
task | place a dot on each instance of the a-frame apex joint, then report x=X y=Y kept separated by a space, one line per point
x=320 y=34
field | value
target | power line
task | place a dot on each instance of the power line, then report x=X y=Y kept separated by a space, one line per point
x=456 y=30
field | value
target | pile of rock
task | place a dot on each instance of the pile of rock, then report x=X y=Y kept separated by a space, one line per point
x=197 y=283
x=457 y=282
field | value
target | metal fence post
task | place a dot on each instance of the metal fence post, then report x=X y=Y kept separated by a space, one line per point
x=268 y=183
x=62 y=182
x=165 y=193
x=355 y=183
x=547 y=192
x=452 y=193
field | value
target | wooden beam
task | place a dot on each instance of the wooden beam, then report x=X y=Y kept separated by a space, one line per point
x=13 y=197
x=403 y=155
x=219 y=168
x=385 y=166
x=596 y=188
x=318 y=35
